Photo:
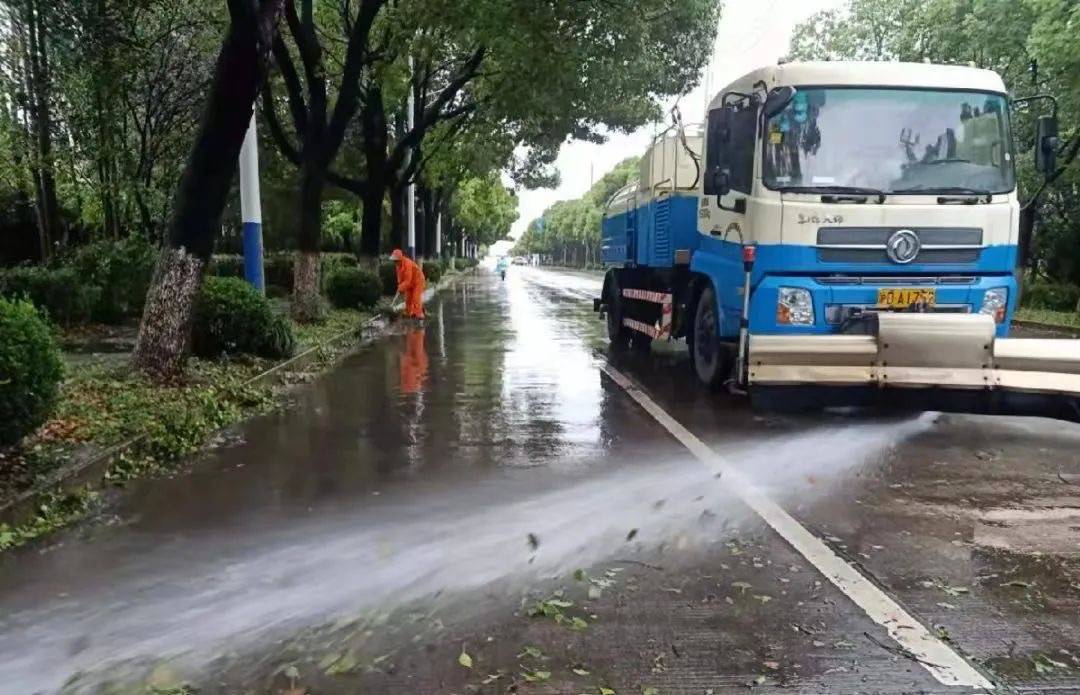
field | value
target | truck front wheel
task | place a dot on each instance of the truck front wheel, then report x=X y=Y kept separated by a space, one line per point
x=711 y=357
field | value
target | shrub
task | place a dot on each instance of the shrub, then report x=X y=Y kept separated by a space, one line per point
x=30 y=370
x=432 y=271
x=60 y=292
x=122 y=269
x=226 y=265
x=278 y=270
x=1051 y=295
x=349 y=288
x=232 y=317
x=330 y=263
x=388 y=278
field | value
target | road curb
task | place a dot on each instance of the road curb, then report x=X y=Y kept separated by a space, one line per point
x=22 y=506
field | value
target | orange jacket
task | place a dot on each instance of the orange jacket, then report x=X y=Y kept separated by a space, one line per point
x=410 y=278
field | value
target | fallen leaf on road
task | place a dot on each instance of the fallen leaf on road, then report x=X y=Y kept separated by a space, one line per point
x=580 y=671
x=535 y=676
x=1017 y=582
x=650 y=691
x=492 y=677
x=742 y=586
x=465 y=660
x=947 y=605
x=531 y=652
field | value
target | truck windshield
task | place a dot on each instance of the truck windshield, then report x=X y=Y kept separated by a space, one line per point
x=890 y=140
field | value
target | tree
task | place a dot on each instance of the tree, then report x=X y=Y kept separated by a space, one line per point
x=570 y=230
x=319 y=127
x=200 y=198
x=31 y=23
x=485 y=209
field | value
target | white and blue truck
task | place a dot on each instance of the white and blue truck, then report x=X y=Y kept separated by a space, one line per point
x=840 y=233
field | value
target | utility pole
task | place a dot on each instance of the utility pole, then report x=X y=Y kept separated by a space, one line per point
x=250 y=208
x=438 y=234
x=410 y=194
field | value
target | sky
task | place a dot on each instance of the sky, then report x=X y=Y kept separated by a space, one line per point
x=751 y=33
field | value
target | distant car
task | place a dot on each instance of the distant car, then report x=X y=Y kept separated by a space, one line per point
x=519 y=260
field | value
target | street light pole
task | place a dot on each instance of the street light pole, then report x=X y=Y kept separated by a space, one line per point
x=250 y=208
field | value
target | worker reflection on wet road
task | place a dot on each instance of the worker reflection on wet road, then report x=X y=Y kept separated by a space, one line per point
x=413 y=361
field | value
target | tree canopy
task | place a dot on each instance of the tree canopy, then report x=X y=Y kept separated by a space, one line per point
x=569 y=230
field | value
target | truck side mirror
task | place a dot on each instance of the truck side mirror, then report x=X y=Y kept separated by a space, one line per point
x=1046 y=145
x=717 y=182
x=777 y=100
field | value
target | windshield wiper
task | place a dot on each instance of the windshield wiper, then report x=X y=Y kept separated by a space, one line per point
x=978 y=193
x=834 y=190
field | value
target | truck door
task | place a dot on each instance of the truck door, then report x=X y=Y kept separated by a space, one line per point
x=731 y=145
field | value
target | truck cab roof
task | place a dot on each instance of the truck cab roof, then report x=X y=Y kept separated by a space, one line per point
x=867 y=74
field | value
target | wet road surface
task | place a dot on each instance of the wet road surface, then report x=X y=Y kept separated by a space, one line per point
x=420 y=501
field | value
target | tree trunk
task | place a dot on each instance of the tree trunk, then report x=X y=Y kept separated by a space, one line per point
x=427 y=205
x=1027 y=236
x=39 y=95
x=307 y=305
x=398 y=223
x=422 y=249
x=373 y=125
x=164 y=332
x=166 y=323
x=371 y=224
x=307 y=302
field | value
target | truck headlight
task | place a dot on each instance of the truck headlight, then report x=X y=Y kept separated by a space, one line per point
x=995 y=302
x=794 y=307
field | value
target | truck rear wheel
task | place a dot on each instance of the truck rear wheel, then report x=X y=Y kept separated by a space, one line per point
x=711 y=357
x=618 y=334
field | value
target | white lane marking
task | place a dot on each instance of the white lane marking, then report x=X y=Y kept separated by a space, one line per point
x=938 y=658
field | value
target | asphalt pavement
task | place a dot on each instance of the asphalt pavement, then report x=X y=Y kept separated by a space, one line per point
x=493 y=503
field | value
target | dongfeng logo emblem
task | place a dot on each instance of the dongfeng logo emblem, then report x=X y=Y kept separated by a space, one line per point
x=903 y=246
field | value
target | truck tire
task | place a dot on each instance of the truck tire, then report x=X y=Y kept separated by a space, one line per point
x=710 y=356
x=618 y=334
x=641 y=342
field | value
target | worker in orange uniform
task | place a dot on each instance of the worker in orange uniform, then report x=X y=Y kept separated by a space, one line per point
x=410 y=284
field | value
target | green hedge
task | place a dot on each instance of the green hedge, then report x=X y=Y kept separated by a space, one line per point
x=232 y=317
x=226 y=265
x=433 y=271
x=65 y=296
x=30 y=370
x=122 y=269
x=349 y=288
x=1051 y=295
x=277 y=266
x=388 y=277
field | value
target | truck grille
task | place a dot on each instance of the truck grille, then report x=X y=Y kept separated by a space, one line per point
x=867 y=244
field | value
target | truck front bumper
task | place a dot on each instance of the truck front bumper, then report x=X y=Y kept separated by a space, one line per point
x=836 y=298
x=947 y=362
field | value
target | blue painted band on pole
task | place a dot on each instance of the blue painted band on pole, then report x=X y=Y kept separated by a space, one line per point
x=253 y=255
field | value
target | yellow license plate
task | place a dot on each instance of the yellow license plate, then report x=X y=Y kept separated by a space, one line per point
x=905 y=297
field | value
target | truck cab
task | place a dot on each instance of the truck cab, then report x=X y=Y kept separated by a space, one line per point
x=865 y=187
